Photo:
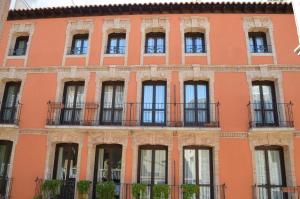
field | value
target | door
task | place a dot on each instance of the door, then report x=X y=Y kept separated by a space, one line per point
x=73 y=103
x=108 y=164
x=5 y=153
x=9 y=102
x=65 y=168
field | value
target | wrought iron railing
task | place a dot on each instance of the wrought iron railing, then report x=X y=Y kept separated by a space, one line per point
x=195 y=49
x=135 y=114
x=155 y=49
x=17 y=52
x=77 y=50
x=115 y=50
x=260 y=48
x=10 y=114
x=270 y=115
x=5 y=187
x=276 y=192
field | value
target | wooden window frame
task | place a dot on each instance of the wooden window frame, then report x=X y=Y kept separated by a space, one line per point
x=82 y=38
x=194 y=36
x=118 y=37
x=254 y=36
x=155 y=36
x=17 y=43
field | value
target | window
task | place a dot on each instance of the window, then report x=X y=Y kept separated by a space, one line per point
x=73 y=103
x=198 y=169
x=5 y=153
x=258 y=43
x=194 y=42
x=155 y=42
x=65 y=168
x=112 y=103
x=79 y=44
x=264 y=103
x=270 y=172
x=116 y=43
x=20 y=46
x=9 y=105
x=108 y=164
x=196 y=103
x=153 y=166
x=154 y=103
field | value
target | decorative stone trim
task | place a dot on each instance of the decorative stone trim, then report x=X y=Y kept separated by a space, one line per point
x=234 y=135
x=195 y=24
x=205 y=139
x=114 y=25
x=152 y=138
x=255 y=24
x=78 y=27
x=280 y=139
x=155 y=24
x=24 y=29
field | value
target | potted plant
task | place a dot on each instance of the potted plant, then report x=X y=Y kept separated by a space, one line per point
x=50 y=189
x=161 y=191
x=189 y=190
x=83 y=188
x=105 y=190
x=138 y=190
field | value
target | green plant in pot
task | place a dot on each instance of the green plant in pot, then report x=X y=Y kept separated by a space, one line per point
x=50 y=189
x=83 y=188
x=138 y=190
x=189 y=190
x=105 y=190
x=161 y=191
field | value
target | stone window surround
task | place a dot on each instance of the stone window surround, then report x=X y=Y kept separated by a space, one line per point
x=24 y=29
x=152 y=138
x=285 y=140
x=255 y=24
x=267 y=75
x=207 y=140
x=114 y=25
x=78 y=27
x=155 y=24
x=195 y=24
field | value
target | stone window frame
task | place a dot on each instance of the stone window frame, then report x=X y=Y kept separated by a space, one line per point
x=197 y=75
x=155 y=24
x=282 y=139
x=195 y=24
x=115 y=25
x=78 y=27
x=148 y=137
x=264 y=74
x=260 y=24
x=22 y=29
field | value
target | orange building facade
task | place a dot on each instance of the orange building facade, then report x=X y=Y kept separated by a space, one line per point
x=177 y=94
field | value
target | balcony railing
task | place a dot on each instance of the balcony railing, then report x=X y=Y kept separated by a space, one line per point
x=270 y=115
x=195 y=49
x=17 y=52
x=260 y=48
x=77 y=50
x=5 y=187
x=115 y=50
x=155 y=49
x=275 y=192
x=135 y=114
x=10 y=114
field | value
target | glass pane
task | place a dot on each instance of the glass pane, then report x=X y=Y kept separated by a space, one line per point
x=188 y=45
x=113 y=45
x=79 y=98
x=85 y=46
x=260 y=44
x=275 y=167
x=62 y=164
x=145 y=166
x=260 y=164
x=150 y=45
x=277 y=193
x=148 y=97
x=160 y=97
x=122 y=43
x=201 y=96
x=119 y=97
x=108 y=96
x=160 y=45
x=267 y=96
x=3 y=161
x=251 y=45
x=12 y=94
x=202 y=116
x=189 y=96
x=204 y=166
x=160 y=166
x=190 y=116
x=73 y=163
x=256 y=96
x=199 y=45
x=116 y=164
x=70 y=95
x=189 y=166
x=102 y=172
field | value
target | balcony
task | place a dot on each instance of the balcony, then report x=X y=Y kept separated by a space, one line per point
x=268 y=115
x=199 y=115
x=275 y=192
x=5 y=187
x=10 y=114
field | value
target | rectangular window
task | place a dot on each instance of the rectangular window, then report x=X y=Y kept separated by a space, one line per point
x=198 y=169
x=154 y=103
x=155 y=43
x=79 y=44
x=73 y=103
x=270 y=172
x=194 y=42
x=9 y=108
x=258 y=43
x=20 y=46
x=196 y=103
x=264 y=103
x=116 y=43
x=112 y=103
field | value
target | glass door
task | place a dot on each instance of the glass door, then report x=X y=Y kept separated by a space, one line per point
x=73 y=103
x=5 y=153
x=65 y=168
x=108 y=165
x=9 y=102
